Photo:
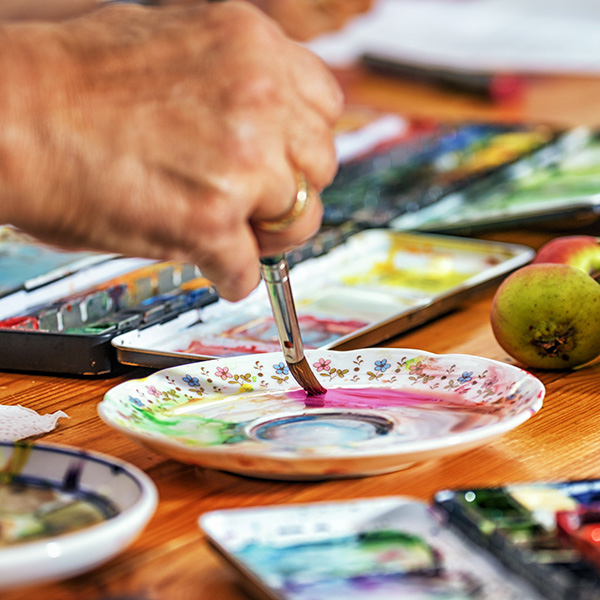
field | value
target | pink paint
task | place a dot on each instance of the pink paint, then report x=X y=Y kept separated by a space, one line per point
x=197 y=347
x=379 y=397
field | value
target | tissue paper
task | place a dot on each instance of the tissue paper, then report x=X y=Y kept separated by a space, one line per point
x=18 y=422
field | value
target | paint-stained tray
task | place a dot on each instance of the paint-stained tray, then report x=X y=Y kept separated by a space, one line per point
x=375 y=548
x=376 y=285
x=558 y=187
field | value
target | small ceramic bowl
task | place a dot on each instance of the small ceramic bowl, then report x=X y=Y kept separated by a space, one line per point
x=128 y=491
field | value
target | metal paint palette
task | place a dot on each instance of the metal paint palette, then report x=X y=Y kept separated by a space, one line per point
x=376 y=285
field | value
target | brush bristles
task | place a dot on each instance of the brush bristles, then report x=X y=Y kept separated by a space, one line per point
x=304 y=375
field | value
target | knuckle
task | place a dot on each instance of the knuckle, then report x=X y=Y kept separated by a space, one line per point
x=260 y=89
x=245 y=22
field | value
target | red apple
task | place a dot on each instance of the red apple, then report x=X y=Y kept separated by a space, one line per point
x=581 y=251
x=546 y=316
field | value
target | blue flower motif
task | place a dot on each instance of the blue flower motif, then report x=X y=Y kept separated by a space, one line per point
x=466 y=376
x=136 y=401
x=281 y=369
x=382 y=365
x=191 y=381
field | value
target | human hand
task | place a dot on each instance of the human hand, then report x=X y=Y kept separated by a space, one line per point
x=165 y=134
x=304 y=19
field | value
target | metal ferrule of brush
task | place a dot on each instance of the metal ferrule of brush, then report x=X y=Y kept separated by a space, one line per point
x=275 y=272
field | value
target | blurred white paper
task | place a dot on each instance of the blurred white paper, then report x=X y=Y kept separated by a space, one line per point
x=521 y=36
x=18 y=422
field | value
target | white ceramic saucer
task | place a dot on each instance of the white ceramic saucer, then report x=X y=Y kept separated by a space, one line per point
x=386 y=408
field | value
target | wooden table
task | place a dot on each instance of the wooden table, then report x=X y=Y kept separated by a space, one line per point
x=172 y=561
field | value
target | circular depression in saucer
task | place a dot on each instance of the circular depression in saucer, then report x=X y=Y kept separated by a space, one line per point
x=311 y=429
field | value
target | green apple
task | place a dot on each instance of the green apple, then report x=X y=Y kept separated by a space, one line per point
x=547 y=316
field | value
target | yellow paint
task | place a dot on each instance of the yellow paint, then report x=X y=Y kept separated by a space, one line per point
x=18 y=459
x=436 y=275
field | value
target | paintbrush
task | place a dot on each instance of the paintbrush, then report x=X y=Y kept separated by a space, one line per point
x=275 y=272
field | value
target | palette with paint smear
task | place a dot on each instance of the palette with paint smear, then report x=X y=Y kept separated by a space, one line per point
x=379 y=548
x=385 y=409
x=402 y=177
x=558 y=187
x=375 y=285
x=523 y=541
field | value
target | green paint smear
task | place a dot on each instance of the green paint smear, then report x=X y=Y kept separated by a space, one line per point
x=191 y=429
x=542 y=187
x=18 y=459
x=364 y=554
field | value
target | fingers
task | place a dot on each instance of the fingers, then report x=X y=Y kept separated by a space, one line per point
x=216 y=236
x=341 y=11
x=296 y=233
x=234 y=269
x=316 y=85
x=304 y=19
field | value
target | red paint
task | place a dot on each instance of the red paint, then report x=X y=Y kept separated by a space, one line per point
x=197 y=347
x=20 y=323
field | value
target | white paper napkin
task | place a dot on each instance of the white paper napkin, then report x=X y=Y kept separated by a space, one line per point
x=18 y=422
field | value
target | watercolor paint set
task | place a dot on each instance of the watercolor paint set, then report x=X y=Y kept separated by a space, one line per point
x=375 y=285
x=89 y=314
x=424 y=163
x=59 y=311
x=517 y=542
x=559 y=186
x=547 y=533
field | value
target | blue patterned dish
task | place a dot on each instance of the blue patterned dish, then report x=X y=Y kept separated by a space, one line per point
x=37 y=480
